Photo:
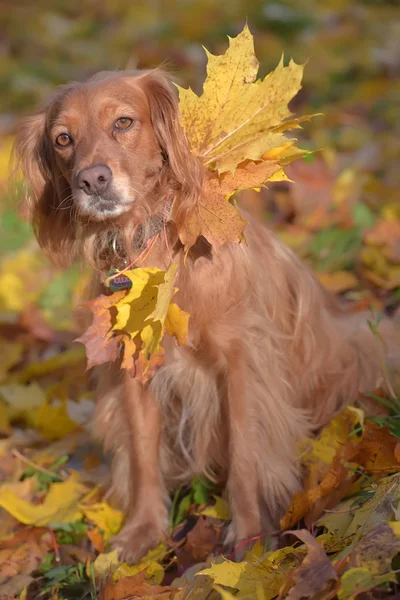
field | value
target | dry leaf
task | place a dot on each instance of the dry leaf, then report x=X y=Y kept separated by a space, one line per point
x=215 y=217
x=108 y=519
x=100 y=347
x=316 y=573
x=220 y=510
x=338 y=282
x=61 y=504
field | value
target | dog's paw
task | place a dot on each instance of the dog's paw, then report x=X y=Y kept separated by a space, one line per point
x=136 y=539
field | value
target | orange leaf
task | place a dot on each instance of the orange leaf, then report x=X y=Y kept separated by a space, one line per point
x=214 y=217
x=101 y=348
x=97 y=540
x=303 y=502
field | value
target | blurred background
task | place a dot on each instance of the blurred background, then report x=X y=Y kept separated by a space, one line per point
x=343 y=212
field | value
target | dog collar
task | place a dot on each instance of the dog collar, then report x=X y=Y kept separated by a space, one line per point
x=143 y=237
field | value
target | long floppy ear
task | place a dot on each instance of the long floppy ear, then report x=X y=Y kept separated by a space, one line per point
x=47 y=189
x=185 y=169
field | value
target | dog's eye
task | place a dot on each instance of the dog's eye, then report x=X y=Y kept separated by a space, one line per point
x=123 y=123
x=63 y=140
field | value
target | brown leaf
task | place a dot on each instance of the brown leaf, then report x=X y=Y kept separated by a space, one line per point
x=214 y=217
x=71 y=554
x=386 y=234
x=338 y=282
x=200 y=542
x=14 y=586
x=376 y=550
x=316 y=573
x=22 y=560
x=376 y=452
x=97 y=540
x=135 y=587
x=303 y=502
x=101 y=348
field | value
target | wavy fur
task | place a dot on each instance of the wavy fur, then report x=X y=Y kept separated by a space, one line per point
x=270 y=359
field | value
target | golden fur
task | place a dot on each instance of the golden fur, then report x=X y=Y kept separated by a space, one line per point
x=270 y=359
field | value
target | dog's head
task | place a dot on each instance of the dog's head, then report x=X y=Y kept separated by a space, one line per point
x=102 y=153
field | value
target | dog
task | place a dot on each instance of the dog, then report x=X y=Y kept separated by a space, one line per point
x=271 y=357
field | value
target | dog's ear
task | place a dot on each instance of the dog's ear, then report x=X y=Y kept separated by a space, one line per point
x=47 y=188
x=185 y=169
x=31 y=155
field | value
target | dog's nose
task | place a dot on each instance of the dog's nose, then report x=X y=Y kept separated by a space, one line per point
x=94 y=180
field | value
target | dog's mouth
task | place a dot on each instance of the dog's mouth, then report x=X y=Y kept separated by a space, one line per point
x=100 y=207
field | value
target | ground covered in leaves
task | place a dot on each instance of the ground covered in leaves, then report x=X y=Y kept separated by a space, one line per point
x=341 y=535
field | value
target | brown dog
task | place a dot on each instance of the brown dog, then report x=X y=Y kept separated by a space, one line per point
x=270 y=358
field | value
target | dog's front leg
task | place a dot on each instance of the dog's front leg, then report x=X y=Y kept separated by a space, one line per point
x=242 y=485
x=147 y=517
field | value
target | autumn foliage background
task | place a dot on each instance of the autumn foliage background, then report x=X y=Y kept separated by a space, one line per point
x=341 y=214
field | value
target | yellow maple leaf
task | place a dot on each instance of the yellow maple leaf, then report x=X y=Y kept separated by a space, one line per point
x=52 y=420
x=61 y=504
x=149 y=563
x=176 y=323
x=107 y=518
x=219 y=510
x=236 y=117
x=143 y=310
x=104 y=565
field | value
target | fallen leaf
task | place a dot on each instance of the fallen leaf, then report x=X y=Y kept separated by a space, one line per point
x=52 y=420
x=149 y=565
x=201 y=541
x=302 y=502
x=339 y=281
x=61 y=504
x=219 y=510
x=258 y=578
x=316 y=573
x=20 y=561
x=18 y=583
x=97 y=540
x=134 y=587
x=325 y=460
x=21 y=399
x=10 y=355
x=376 y=550
x=105 y=564
x=360 y=579
x=386 y=235
x=378 y=509
x=108 y=519
x=227 y=573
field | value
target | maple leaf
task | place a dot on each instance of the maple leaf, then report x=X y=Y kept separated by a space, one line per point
x=100 y=347
x=316 y=574
x=143 y=310
x=236 y=120
x=236 y=117
x=215 y=217
x=61 y=504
